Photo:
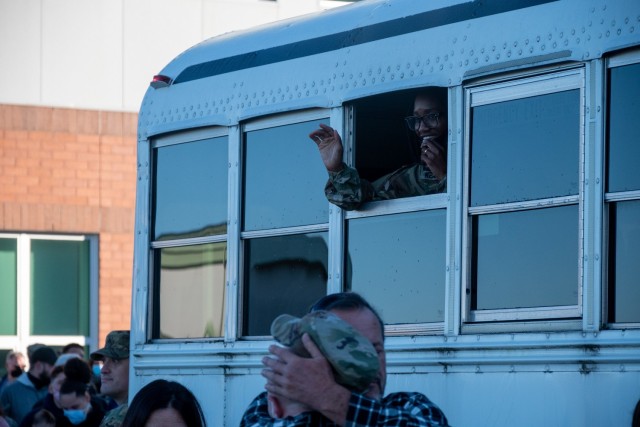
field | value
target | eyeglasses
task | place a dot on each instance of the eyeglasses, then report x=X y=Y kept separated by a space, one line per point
x=429 y=120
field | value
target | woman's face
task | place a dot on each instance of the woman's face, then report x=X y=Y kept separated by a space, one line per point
x=73 y=401
x=167 y=417
x=54 y=387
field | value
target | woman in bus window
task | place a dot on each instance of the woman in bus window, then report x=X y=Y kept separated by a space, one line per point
x=427 y=175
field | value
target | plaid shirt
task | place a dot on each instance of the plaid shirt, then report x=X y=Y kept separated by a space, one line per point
x=397 y=409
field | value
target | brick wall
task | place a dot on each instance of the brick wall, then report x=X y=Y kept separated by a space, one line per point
x=74 y=171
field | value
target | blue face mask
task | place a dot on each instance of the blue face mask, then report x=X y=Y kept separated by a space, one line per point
x=96 y=370
x=76 y=416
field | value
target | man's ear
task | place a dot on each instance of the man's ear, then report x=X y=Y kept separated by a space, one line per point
x=275 y=409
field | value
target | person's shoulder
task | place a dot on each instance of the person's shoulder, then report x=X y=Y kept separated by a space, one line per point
x=115 y=417
x=417 y=402
x=406 y=399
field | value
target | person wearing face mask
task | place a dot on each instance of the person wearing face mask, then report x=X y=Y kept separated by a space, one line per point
x=78 y=405
x=18 y=398
x=15 y=364
x=427 y=174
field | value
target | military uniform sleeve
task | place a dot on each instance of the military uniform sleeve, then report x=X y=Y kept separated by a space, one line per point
x=115 y=417
x=347 y=190
x=397 y=409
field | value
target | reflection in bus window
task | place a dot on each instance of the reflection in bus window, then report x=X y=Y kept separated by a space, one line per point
x=624 y=206
x=189 y=299
x=283 y=182
x=625 y=269
x=526 y=259
x=284 y=274
x=190 y=194
x=624 y=133
x=525 y=149
x=397 y=262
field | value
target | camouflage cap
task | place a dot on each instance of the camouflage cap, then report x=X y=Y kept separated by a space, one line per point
x=352 y=356
x=116 y=346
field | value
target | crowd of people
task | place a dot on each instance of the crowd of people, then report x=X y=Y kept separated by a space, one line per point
x=329 y=370
x=65 y=389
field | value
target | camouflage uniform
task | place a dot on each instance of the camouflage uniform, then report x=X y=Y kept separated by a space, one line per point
x=347 y=190
x=115 y=417
x=352 y=356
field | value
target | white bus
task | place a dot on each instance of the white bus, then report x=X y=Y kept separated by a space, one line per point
x=511 y=299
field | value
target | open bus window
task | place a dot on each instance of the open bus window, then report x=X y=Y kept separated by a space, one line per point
x=525 y=149
x=401 y=142
x=623 y=183
x=189 y=218
x=284 y=222
x=398 y=261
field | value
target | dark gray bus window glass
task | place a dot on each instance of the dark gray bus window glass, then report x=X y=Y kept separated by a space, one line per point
x=624 y=132
x=397 y=262
x=283 y=274
x=526 y=259
x=59 y=287
x=190 y=194
x=624 y=271
x=189 y=297
x=284 y=178
x=8 y=287
x=525 y=149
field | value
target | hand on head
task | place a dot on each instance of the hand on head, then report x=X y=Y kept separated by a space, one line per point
x=297 y=384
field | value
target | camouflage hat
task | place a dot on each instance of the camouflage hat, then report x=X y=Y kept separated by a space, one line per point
x=352 y=356
x=116 y=346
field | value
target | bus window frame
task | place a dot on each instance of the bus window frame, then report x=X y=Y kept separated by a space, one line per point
x=506 y=88
x=625 y=58
x=241 y=237
x=166 y=140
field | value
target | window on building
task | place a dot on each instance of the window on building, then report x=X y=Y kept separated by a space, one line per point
x=523 y=229
x=49 y=290
x=622 y=195
x=190 y=234
x=285 y=218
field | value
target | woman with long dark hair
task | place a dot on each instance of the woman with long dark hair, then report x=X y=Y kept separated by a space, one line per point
x=164 y=403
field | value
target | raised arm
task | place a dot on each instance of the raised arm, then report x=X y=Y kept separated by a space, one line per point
x=330 y=146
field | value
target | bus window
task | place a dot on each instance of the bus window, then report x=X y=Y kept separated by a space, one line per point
x=398 y=263
x=401 y=142
x=284 y=223
x=189 y=220
x=623 y=183
x=525 y=149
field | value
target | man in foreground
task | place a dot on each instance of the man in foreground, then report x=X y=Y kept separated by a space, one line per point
x=310 y=382
x=115 y=375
